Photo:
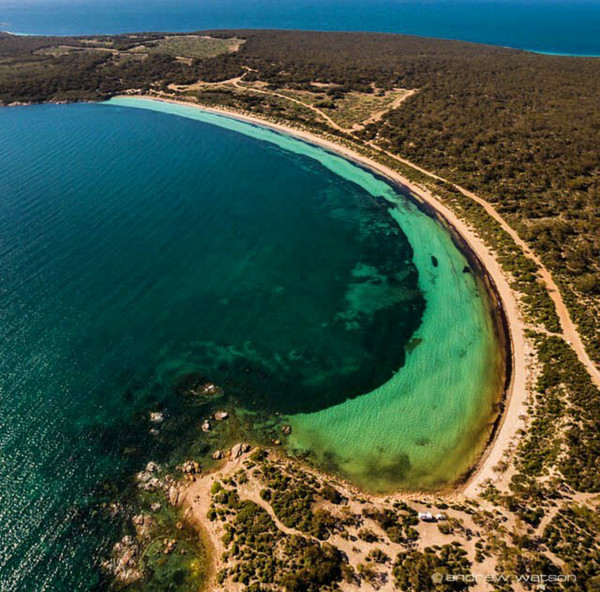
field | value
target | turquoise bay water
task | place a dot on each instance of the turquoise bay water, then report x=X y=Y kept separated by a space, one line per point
x=141 y=246
x=554 y=26
x=424 y=426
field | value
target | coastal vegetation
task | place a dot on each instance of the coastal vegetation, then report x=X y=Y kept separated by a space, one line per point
x=413 y=570
x=565 y=431
x=260 y=554
x=450 y=539
x=188 y=46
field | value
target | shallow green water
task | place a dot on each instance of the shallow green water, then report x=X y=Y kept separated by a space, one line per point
x=145 y=244
x=425 y=426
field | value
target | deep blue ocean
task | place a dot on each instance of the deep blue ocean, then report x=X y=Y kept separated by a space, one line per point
x=551 y=26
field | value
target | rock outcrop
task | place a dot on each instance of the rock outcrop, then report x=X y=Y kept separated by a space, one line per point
x=125 y=562
x=143 y=525
x=238 y=450
x=148 y=478
x=173 y=495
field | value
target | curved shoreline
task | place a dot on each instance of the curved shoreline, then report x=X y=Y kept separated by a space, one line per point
x=497 y=312
x=512 y=404
x=502 y=329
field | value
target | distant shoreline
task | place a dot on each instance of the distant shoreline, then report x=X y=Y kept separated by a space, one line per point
x=561 y=54
x=403 y=33
x=512 y=403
